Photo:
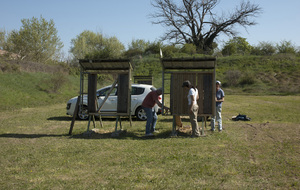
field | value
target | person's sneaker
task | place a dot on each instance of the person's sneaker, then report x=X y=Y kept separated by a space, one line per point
x=156 y=131
x=212 y=130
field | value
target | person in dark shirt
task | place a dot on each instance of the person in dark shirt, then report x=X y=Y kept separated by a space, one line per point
x=148 y=105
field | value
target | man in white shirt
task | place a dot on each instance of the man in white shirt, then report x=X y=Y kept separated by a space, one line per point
x=193 y=107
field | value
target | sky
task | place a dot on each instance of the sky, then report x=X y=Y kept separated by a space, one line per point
x=129 y=19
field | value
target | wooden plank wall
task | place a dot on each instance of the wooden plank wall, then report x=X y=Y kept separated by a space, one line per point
x=203 y=82
x=178 y=96
x=124 y=97
x=92 y=88
x=207 y=93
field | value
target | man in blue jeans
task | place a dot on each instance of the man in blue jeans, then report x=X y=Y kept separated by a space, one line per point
x=219 y=100
x=148 y=105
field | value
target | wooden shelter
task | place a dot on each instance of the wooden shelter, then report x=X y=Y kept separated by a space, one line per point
x=121 y=67
x=143 y=79
x=201 y=73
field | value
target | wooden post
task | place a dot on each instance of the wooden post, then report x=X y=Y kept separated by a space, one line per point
x=74 y=115
x=92 y=88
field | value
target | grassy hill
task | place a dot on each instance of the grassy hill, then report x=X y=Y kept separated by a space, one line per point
x=27 y=84
x=260 y=75
x=279 y=74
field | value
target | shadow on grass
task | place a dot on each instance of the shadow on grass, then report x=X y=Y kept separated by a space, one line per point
x=104 y=118
x=124 y=135
x=60 y=118
x=32 y=136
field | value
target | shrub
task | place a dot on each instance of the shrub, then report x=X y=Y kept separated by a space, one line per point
x=232 y=77
x=8 y=67
x=247 y=79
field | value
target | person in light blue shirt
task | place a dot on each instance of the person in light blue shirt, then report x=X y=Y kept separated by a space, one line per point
x=219 y=100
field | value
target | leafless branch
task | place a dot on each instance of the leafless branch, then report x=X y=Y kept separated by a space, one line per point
x=194 y=21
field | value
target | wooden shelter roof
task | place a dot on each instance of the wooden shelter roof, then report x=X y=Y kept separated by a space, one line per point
x=105 y=64
x=188 y=63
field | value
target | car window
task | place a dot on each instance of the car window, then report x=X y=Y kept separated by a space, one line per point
x=137 y=90
x=103 y=92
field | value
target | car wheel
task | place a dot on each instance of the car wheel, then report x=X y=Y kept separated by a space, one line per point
x=83 y=113
x=141 y=114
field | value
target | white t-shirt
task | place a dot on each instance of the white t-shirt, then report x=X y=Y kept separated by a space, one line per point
x=192 y=92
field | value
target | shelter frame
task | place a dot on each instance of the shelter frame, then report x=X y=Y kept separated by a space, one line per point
x=201 y=73
x=121 y=67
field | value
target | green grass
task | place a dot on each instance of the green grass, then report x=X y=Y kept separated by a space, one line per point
x=264 y=153
x=19 y=90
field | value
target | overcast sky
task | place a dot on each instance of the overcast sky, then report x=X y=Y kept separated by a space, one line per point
x=129 y=19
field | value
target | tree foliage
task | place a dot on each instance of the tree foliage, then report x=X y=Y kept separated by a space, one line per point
x=286 y=47
x=2 y=39
x=264 y=48
x=237 y=46
x=91 y=45
x=154 y=48
x=136 y=48
x=190 y=49
x=196 y=22
x=37 y=40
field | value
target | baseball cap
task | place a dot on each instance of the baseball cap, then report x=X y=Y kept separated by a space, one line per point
x=186 y=83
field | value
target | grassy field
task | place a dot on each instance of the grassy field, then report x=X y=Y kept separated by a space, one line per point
x=37 y=153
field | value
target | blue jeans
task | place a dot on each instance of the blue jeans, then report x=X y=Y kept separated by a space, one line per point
x=151 y=120
x=218 y=119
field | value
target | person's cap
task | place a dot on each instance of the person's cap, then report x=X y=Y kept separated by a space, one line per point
x=186 y=83
x=153 y=88
x=218 y=82
x=159 y=89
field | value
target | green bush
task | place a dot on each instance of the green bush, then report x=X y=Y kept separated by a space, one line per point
x=232 y=77
x=247 y=79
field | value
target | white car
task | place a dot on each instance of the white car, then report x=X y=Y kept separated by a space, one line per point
x=138 y=93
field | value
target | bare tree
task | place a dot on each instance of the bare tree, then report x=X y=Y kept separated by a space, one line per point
x=194 y=22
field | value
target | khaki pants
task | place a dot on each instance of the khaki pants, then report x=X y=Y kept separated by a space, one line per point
x=193 y=119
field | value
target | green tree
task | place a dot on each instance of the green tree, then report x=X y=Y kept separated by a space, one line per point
x=264 y=48
x=237 y=45
x=92 y=45
x=286 y=47
x=136 y=48
x=37 y=40
x=2 y=39
x=190 y=49
x=170 y=51
x=154 y=48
